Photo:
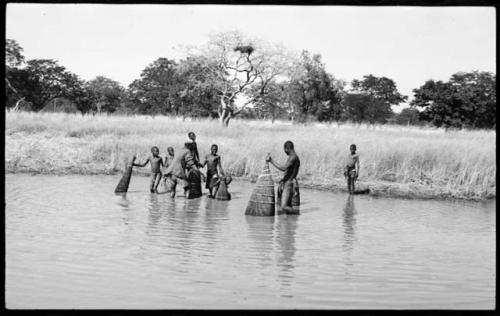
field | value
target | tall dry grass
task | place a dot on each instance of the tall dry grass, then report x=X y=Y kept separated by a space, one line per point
x=452 y=163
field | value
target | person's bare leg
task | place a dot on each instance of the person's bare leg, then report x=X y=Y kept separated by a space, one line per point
x=286 y=199
x=173 y=188
x=157 y=182
x=152 y=184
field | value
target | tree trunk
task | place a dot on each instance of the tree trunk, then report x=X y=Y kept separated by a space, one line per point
x=225 y=117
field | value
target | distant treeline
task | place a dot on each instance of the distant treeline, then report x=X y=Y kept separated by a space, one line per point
x=235 y=75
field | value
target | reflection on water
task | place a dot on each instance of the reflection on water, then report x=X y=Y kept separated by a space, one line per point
x=260 y=242
x=349 y=224
x=72 y=243
x=286 y=228
x=348 y=215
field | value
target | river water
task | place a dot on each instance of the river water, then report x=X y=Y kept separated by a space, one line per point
x=72 y=243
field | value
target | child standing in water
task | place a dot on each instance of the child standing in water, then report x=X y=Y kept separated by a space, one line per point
x=213 y=163
x=167 y=162
x=194 y=148
x=351 y=172
x=156 y=162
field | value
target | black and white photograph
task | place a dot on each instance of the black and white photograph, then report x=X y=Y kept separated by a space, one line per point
x=249 y=157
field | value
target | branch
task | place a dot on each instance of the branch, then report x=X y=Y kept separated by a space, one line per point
x=12 y=88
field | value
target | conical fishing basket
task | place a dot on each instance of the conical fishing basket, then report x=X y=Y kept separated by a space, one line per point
x=122 y=186
x=222 y=193
x=262 y=201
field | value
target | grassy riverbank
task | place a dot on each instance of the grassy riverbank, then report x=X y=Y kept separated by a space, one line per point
x=395 y=161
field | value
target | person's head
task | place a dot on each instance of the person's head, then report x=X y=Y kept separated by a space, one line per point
x=352 y=148
x=155 y=151
x=213 y=149
x=192 y=136
x=288 y=147
x=170 y=151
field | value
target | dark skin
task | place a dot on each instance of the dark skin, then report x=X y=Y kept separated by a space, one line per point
x=213 y=151
x=156 y=163
x=192 y=137
x=288 y=152
x=278 y=166
x=351 y=180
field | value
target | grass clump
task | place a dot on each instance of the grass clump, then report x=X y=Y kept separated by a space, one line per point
x=395 y=160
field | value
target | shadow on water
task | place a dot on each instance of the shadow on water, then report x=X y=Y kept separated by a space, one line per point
x=285 y=239
x=349 y=224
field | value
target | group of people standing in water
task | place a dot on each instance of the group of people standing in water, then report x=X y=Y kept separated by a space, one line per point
x=184 y=168
x=178 y=168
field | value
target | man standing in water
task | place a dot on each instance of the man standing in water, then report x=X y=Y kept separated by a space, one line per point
x=288 y=190
x=177 y=169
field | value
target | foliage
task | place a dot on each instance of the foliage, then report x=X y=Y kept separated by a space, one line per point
x=364 y=107
x=13 y=53
x=43 y=80
x=241 y=67
x=105 y=94
x=312 y=90
x=466 y=100
x=407 y=116
x=197 y=95
x=155 y=91
x=381 y=93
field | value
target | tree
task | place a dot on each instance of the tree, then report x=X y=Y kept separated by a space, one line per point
x=466 y=100
x=43 y=80
x=197 y=94
x=312 y=90
x=13 y=54
x=13 y=74
x=271 y=102
x=408 y=116
x=155 y=91
x=105 y=94
x=381 y=89
x=238 y=64
x=364 y=107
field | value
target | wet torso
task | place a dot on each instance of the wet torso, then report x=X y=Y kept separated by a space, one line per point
x=156 y=163
x=292 y=167
x=212 y=162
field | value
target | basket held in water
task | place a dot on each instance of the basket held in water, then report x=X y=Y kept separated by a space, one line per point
x=262 y=200
x=122 y=186
x=222 y=193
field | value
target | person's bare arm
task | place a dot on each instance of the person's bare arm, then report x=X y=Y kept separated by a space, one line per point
x=277 y=165
x=141 y=165
x=280 y=167
x=204 y=163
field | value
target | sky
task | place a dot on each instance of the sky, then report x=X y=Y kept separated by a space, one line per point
x=407 y=44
